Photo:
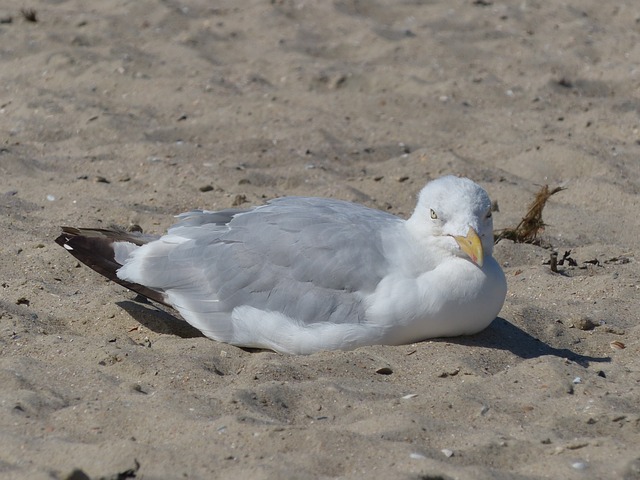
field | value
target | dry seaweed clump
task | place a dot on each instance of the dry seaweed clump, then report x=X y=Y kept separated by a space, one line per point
x=531 y=224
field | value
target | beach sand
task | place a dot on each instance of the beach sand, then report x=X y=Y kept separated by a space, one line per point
x=128 y=113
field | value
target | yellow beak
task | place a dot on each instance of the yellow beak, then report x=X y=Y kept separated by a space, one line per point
x=472 y=246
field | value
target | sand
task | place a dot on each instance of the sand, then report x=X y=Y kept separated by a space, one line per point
x=129 y=112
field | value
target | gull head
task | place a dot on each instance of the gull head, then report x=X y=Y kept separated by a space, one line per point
x=454 y=214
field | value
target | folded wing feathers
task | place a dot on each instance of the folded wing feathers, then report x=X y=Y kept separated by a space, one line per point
x=98 y=249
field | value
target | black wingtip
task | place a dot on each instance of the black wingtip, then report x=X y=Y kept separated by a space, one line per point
x=94 y=248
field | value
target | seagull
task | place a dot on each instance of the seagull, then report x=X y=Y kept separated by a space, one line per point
x=301 y=274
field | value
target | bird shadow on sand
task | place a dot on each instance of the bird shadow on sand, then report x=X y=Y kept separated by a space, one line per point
x=158 y=320
x=504 y=335
x=501 y=334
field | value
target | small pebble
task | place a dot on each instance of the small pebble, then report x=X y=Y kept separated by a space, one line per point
x=447 y=453
x=384 y=371
x=51 y=198
x=136 y=387
x=206 y=188
x=617 y=345
x=77 y=474
x=584 y=323
x=417 y=456
x=577 y=380
x=579 y=465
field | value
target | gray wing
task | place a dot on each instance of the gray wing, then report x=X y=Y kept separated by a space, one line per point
x=308 y=258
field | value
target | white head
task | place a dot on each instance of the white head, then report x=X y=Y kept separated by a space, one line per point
x=454 y=214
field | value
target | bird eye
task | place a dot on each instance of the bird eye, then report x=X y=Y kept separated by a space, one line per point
x=434 y=215
x=488 y=214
